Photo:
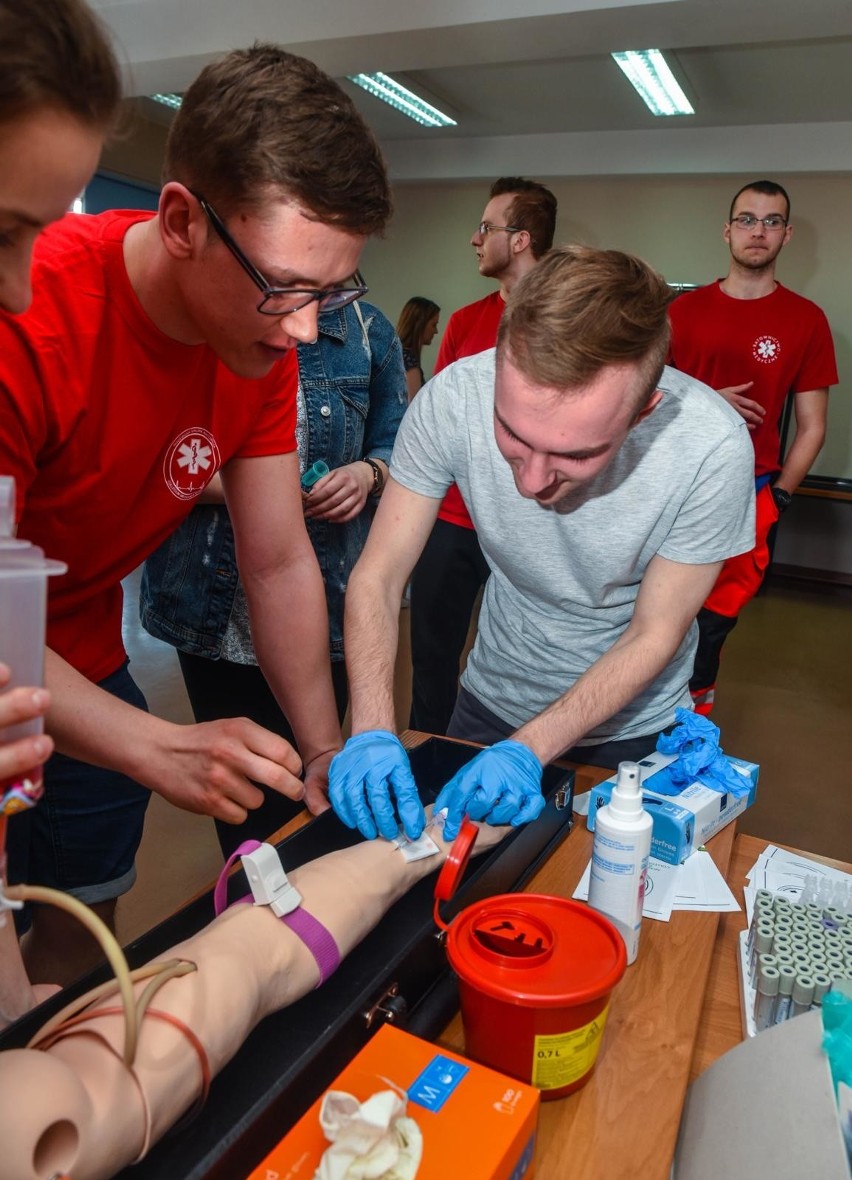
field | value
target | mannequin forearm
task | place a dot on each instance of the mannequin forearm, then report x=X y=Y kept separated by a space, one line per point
x=248 y=964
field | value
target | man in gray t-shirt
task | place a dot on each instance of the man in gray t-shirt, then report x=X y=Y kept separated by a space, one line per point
x=606 y=492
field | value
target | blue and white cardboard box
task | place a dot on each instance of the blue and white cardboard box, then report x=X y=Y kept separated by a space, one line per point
x=682 y=822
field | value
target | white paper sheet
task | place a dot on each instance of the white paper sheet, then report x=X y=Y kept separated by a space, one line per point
x=659 y=890
x=784 y=873
x=778 y=863
x=702 y=886
x=695 y=885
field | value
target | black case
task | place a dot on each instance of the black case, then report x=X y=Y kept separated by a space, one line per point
x=399 y=972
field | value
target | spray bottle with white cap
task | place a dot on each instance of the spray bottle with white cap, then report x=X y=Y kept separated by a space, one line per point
x=620 y=857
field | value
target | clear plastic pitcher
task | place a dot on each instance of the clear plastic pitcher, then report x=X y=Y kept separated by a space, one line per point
x=24 y=571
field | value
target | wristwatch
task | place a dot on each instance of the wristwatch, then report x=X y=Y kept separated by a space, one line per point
x=378 y=477
x=783 y=499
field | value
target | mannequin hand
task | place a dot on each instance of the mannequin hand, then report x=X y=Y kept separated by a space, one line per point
x=502 y=785
x=341 y=495
x=369 y=775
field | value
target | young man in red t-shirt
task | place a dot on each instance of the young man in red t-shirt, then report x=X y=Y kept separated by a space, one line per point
x=517 y=228
x=755 y=343
x=158 y=351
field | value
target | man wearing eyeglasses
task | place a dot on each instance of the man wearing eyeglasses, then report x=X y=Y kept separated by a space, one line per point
x=515 y=232
x=158 y=351
x=755 y=342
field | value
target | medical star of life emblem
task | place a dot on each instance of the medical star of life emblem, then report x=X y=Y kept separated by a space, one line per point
x=191 y=462
x=766 y=349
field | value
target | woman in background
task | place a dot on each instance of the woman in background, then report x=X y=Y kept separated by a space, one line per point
x=416 y=327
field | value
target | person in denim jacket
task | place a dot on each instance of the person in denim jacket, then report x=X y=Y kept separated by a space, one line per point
x=352 y=395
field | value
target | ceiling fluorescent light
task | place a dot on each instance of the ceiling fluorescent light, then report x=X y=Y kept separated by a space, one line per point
x=650 y=75
x=168 y=100
x=388 y=90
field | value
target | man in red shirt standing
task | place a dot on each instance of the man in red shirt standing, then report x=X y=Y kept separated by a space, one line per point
x=755 y=342
x=516 y=230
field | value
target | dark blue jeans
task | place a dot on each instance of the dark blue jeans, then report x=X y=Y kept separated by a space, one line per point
x=83 y=835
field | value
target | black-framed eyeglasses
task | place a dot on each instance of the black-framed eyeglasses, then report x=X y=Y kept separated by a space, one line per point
x=749 y=221
x=485 y=227
x=281 y=301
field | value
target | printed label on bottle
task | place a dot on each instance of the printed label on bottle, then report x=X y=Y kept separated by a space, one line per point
x=561 y=1058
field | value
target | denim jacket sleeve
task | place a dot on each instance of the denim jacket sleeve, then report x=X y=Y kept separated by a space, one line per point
x=388 y=390
x=355 y=397
x=354 y=409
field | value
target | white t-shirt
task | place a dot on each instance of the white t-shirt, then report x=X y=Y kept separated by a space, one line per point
x=564 y=580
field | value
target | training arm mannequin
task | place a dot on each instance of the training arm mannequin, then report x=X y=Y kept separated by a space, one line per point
x=79 y=1109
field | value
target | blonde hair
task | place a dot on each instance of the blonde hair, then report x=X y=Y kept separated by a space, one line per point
x=582 y=309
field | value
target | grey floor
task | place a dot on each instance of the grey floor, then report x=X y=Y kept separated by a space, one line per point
x=782 y=702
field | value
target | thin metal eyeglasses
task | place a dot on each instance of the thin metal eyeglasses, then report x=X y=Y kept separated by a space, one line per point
x=749 y=221
x=281 y=301
x=485 y=227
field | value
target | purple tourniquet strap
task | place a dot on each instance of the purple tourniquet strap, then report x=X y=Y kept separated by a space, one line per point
x=316 y=937
x=220 y=893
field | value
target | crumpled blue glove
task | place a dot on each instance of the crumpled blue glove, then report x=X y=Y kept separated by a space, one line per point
x=369 y=775
x=502 y=785
x=695 y=740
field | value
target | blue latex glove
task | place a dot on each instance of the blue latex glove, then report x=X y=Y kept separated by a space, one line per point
x=502 y=785
x=695 y=740
x=369 y=775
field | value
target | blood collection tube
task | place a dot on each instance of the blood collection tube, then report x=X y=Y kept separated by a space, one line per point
x=786 y=980
x=762 y=945
x=765 y=997
x=822 y=984
x=803 y=994
x=763 y=961
x=759 y=921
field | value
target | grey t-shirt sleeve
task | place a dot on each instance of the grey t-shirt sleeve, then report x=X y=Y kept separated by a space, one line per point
x=716 y=519
x=426 y=455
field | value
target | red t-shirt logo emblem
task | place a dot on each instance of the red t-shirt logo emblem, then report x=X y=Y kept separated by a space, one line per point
x=191 y=462
x=766 y=349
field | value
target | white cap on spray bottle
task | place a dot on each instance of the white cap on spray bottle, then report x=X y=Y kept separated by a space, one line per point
x=626 y=798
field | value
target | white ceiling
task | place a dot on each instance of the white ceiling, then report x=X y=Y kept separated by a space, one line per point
x=531 y=82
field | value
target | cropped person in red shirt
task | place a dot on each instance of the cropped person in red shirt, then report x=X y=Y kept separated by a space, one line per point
x=756 y=343
x=516 y=230
x=156 y=352
x=59 y=97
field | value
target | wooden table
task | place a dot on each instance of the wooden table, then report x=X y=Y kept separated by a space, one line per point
x=624 y=1122
x=674 y=1013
